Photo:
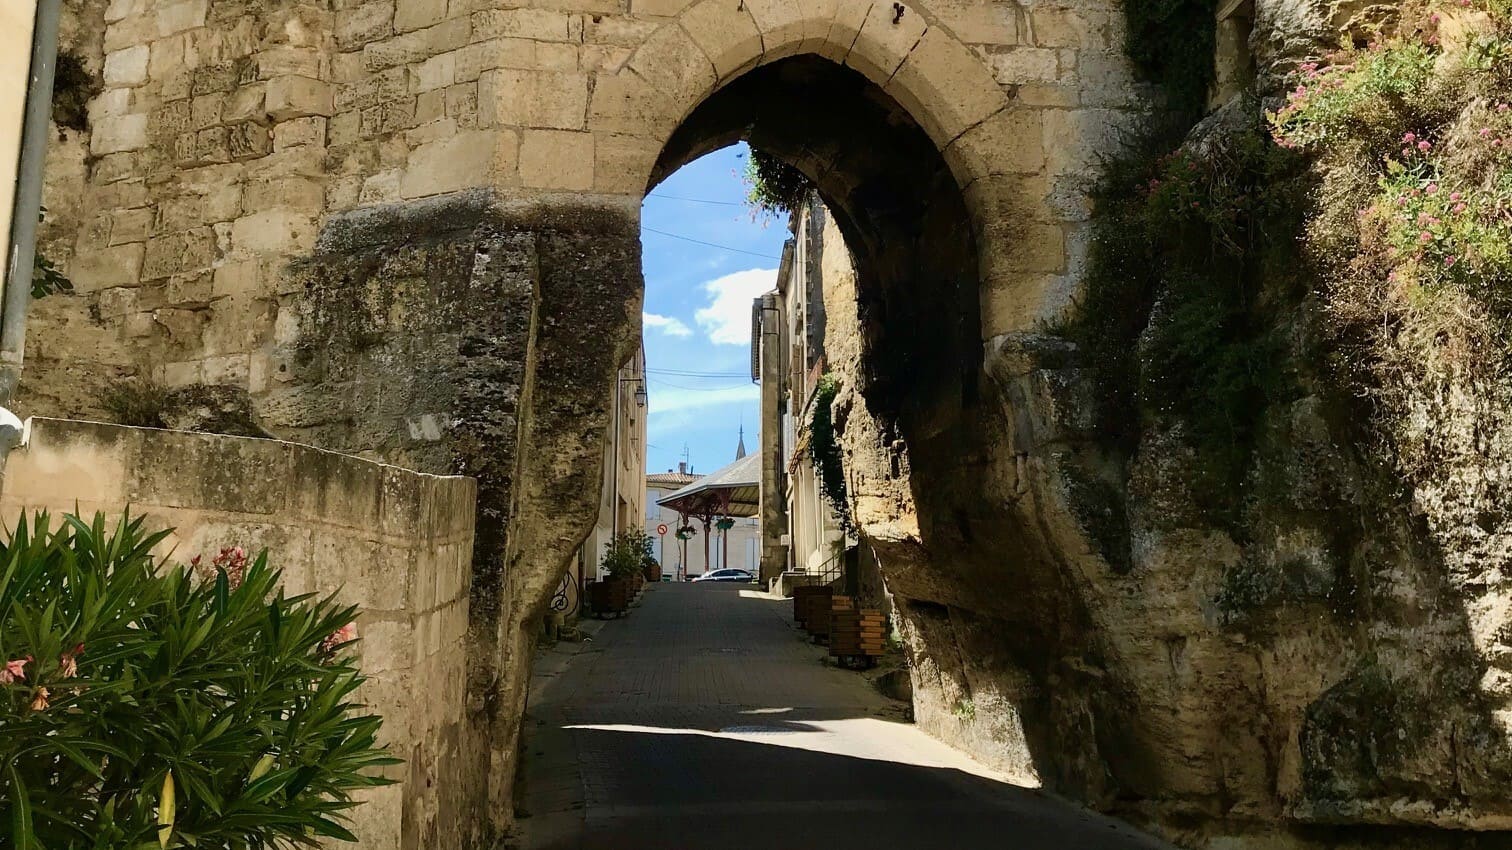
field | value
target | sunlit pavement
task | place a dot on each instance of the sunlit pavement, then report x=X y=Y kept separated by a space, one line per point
x=703 y=720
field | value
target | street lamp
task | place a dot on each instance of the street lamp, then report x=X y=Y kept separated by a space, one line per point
x=640 y=389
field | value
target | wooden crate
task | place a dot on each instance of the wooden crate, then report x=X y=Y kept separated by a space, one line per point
x=856 y=635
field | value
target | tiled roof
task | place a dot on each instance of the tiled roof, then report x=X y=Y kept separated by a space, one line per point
x=674 y=479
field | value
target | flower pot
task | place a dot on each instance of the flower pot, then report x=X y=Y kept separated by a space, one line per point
x=610 y=596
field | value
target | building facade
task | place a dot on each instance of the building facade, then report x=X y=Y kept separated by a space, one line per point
x=737 y=547
x=622 y=491
x=804 y=534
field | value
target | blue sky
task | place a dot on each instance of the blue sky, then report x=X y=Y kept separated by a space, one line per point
x=698 y=310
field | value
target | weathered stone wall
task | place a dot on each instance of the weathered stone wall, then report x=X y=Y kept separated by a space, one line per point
x=393 y=542
x=407 y=227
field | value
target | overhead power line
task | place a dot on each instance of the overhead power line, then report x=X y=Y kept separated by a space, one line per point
x=697 y=200
x=709 y=244
x=683 y=373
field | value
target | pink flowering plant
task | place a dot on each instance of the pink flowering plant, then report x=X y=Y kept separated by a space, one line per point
x=149 y=704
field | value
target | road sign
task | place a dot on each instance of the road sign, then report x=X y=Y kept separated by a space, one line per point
x=661 y=529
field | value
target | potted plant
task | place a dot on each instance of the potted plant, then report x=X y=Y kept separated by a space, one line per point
x=622 y=560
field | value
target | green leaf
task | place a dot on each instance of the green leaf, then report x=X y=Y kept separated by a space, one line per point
x=21 y=817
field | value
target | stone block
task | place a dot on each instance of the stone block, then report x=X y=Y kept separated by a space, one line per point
x=944 y=87
x=300 y=131
x=119 y=10
x=885 y=40
x=516 y=98
x=1026 y=65
x=298 y=97
x=275 y=231
x=674 y=65
x=247 y=141
x=979 y=23
x=437 y=72
x=418 y=14
x=100 y=266
x=247 y=103
x=127 y=67
x=167 y=55
x=658 y=8
x=192 y=290
x=360 y=25
x=845 y=26
x=1077 y=139
x=417 y=46
x=463 y=161
x=173 y=18
x=129 y=226
x=625 y=103
x=622 y=164
x=1009 y=142
x=533 y=24
x=294 y=193
x=555 y=159
x=1061 y=26
x=237 y=279
x=726 y=34
x=205 y=110
x=274 y=62
x=617 y=30
x=783 y=25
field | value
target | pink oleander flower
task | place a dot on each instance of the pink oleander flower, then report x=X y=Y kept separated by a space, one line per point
x=1432 y=188
x=1484 y=132
x=1409 y=138
x=1459 y=208
x=1425 y=236
x=1454 y=196
x=68 y=662
x=1424 y=145
x=1434 y=17
x=1501 y=107
x=1406 y=152
x=1449 y=261
x=345 y=634
x=13 y=670
x=39 y=701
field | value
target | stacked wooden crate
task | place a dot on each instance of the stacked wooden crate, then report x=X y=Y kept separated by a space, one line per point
x=856 y=634
x=811 y=606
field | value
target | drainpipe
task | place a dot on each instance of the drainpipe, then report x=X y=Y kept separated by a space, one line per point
x=28 y=199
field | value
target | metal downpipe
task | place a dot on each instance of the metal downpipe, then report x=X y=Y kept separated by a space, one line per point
x=28 y=197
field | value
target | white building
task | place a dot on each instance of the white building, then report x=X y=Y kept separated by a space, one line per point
x=737 y=547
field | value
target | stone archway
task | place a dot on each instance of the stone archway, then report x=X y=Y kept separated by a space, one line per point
x=932 y=173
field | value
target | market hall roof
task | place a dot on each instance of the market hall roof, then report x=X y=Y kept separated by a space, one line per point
x=733 y=491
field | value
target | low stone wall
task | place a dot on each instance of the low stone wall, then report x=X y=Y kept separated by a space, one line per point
x=394 y=542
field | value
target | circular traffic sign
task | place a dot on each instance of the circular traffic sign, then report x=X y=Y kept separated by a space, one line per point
x=661 y=529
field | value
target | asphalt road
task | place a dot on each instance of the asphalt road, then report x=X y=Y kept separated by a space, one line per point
x=704 y=720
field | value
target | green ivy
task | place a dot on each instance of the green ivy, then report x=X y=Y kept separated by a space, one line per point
x=773 y=186
x=824 y=449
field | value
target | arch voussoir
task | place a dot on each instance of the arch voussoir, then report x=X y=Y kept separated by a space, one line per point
x=726 y=33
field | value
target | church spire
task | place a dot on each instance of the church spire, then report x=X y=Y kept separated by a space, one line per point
x=740 y=450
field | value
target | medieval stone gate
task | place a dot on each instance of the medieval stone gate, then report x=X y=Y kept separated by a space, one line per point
x=409 y=228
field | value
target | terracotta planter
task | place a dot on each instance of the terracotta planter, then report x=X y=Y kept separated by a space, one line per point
x=610 y=596
x=651 y=571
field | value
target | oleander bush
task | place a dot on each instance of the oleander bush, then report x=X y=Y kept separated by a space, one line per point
x=150 y=704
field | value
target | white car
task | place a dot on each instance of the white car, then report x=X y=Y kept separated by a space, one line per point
x=726 y=575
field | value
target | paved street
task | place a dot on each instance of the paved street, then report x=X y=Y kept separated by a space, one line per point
x=704 y=720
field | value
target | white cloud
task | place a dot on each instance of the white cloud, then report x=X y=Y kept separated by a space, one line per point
x=727 y=319
x=666 y=324
x=664 y=399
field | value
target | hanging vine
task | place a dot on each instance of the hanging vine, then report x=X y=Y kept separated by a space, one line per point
x=824 y=450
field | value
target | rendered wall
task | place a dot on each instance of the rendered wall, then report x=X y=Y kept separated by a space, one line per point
x=396 y=543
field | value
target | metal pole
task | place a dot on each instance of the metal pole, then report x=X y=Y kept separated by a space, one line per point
x=28 y=198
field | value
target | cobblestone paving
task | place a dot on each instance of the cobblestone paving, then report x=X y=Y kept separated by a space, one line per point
x=704 y=720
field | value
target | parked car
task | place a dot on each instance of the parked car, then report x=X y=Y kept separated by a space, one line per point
x=726 y=575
